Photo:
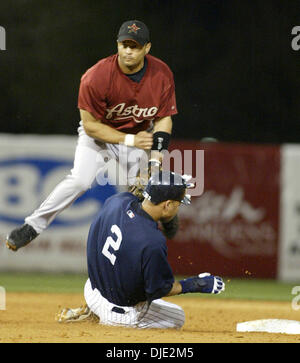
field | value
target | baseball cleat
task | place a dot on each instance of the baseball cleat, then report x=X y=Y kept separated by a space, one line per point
x=83 y=313
x=20 y=237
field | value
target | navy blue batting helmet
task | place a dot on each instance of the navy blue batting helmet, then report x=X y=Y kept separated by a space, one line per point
x=167 y=185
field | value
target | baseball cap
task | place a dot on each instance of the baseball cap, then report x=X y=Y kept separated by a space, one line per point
x=167 y=185
x=134 y=30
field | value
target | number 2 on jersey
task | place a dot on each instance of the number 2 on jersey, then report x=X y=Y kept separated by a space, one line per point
x=114 y=244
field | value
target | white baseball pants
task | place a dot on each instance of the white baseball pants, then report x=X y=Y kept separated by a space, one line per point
x=92 y=158
x=160 y=314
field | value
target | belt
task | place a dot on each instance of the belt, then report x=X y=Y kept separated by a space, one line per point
x=118 y=310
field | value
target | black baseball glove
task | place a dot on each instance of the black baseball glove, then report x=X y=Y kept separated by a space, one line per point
x=170 y=228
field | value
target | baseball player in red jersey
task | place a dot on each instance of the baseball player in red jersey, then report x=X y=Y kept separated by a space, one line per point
x=126 y=102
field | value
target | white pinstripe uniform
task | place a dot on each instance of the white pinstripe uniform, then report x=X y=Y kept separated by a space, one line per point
x=160 y=314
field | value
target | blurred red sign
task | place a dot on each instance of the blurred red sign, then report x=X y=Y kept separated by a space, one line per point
x=232 y=228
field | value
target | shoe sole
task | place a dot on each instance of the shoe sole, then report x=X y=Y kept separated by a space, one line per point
x=11 y=246
x=62 y=317
x=80 y=319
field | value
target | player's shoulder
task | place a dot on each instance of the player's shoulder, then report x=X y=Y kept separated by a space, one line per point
x=121 y=198
x=101 y=69
x=104 y=63
x=159 y=65
x=140 y=220
x=154 y=243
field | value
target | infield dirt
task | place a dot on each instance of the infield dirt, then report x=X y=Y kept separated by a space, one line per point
x=29 y=318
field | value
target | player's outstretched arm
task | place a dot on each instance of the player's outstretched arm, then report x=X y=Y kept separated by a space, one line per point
x=100 y=131
x=162 y=131
x=203 y=283
x=163 y=124
x=176 y=289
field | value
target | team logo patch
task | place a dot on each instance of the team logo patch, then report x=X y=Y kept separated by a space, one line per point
x=133 y=28
x=138 y=114
x=130 y=214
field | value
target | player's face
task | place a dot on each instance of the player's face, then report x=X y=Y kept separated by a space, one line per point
x=170 y=210
x=131 y=55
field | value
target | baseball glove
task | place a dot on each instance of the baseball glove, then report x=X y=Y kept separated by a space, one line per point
x=141 y=179
x=170 y=228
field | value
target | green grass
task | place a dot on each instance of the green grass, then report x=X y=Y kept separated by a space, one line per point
x=246 y=288
x=43 y=282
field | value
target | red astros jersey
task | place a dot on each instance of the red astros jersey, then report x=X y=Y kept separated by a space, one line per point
x=109 y=95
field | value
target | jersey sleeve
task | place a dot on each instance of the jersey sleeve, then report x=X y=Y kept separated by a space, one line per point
x=91 y=97
x=157 y=273
x=168 y=105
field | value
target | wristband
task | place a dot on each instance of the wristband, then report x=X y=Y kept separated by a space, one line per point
x=129 y=140
x=161 y=140
x=204 y=282
x=192 y=284
x=154 y=162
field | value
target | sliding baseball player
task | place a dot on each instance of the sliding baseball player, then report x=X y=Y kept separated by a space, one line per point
x=128 y=270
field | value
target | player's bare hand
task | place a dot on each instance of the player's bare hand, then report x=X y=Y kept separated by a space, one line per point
x=143 y=140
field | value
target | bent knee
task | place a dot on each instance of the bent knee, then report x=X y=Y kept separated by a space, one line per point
x=176 y=318
x=180 y=319
x=80 y=184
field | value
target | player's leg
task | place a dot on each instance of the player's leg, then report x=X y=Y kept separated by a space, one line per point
x=137 y=166
x=108 y=313
x=86 y=164
x=70 y=188
x=133 y=165
x=162 y=315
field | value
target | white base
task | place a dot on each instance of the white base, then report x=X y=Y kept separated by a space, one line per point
x=270 y=326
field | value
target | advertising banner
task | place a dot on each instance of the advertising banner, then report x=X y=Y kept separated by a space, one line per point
x=289 y=256
x=30 y=168
x=237 y=225
x=232 y=228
